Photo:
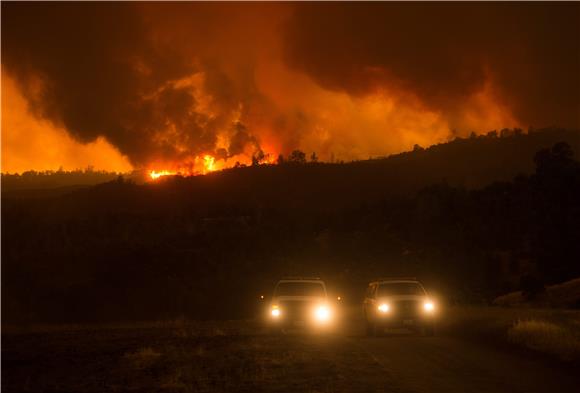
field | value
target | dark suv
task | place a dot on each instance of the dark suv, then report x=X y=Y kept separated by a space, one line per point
x=396 y=303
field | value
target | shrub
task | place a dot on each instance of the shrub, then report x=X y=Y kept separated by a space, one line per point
x=546 y=337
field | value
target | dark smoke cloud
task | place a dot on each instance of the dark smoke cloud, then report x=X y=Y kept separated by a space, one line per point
x=241 y=139
x=163 y=82
x=444 y=52
x=85 y=55
x=115 y=70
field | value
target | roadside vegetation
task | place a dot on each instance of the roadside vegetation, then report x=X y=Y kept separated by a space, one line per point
x=553 y=333
x=544 y=319
x=547 y=337
x=564 y=295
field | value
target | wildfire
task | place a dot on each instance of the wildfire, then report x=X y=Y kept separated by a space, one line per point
x=209 y=163
x=157 y=174
x=201 y=166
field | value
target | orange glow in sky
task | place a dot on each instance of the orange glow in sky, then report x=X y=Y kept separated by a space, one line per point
x=194 y=88
x=29 y=143
x=340 y=126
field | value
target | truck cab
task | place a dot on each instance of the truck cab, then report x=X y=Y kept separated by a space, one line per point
x=398 y=303
x=299 y=302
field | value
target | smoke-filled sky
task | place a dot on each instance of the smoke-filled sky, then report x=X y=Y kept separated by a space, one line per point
x=164 y=86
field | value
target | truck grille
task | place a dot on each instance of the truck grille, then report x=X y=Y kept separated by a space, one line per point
x=296 y=310
x=407 y=307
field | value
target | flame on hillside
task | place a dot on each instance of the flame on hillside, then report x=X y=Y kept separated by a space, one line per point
x=209 y=163
x=157 y=174
x=203 y=165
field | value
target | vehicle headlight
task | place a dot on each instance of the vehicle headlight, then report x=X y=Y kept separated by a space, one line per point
x=275 y=311
x=384 y=308
x=322 y=313
x=429 y=307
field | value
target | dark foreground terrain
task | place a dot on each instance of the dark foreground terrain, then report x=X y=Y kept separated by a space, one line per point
x=241 y=357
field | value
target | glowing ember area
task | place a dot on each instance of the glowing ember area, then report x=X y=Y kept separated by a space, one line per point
x=32 y=143
x=199 y=166
x=157 y=174
x=209 y=163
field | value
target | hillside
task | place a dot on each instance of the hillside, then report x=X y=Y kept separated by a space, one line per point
x=121 y=250
x=469 y=163
x=472 y=162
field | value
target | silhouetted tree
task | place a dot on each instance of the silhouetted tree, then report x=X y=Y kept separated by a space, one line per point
x=258 y=157
x=556 y=159
x=297 y=157
x=313 y=157
x=505 y=132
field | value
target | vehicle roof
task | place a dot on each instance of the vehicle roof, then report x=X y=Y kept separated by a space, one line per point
x=315 y=280
x=393 y=280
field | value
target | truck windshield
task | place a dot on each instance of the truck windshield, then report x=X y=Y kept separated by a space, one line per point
x=400 y=288
x=300 y=289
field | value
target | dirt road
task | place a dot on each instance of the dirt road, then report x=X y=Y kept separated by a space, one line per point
x=232 y=357
x=445 y=364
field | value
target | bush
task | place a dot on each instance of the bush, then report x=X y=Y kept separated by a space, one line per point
x=546 y=337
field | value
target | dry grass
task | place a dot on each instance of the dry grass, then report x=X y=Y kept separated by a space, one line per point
x=566 y=294
x=182 y=357
x=143 y=358
x=554 y=332
x=510 y=299
x=547 y=337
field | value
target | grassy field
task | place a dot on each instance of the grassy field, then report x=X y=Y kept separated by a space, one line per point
x=182 y=356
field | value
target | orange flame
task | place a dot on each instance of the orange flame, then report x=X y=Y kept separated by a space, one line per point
x=206 y=164
x=157 y=174
x=209 y=163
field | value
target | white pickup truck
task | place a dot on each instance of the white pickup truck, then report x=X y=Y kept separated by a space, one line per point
x=299 y=302
x=398 y=302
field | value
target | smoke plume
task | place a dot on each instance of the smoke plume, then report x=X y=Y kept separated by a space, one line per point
x=169 y=84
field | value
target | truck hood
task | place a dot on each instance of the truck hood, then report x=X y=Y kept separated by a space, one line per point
x=313 y=299
x=403 y=297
